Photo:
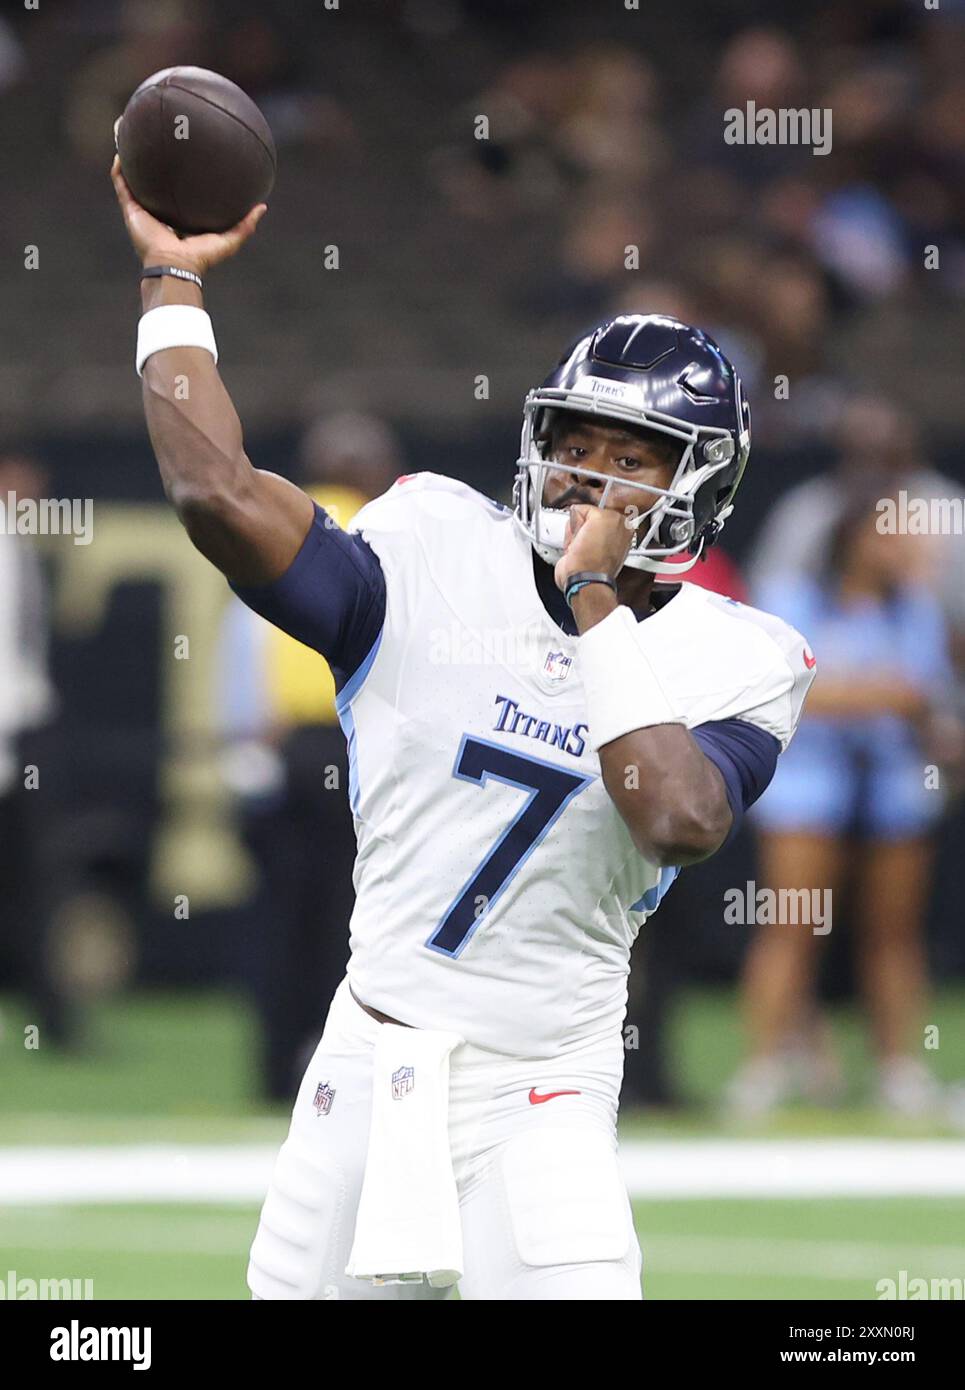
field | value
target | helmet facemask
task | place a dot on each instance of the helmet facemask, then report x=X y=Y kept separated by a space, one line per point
x=679 y=520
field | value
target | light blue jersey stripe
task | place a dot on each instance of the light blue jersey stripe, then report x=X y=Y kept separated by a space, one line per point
x=343 y=702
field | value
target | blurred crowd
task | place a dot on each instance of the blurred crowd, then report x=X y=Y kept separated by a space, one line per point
x=497 y=175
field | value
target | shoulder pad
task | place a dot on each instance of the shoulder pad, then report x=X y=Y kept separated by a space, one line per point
x=422 y=495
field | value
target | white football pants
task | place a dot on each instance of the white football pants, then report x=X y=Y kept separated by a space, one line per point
x=544 y=1209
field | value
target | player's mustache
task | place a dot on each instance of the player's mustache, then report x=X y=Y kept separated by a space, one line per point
x=575 y=495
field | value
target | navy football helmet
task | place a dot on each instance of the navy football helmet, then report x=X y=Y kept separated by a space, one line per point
x=655 y=373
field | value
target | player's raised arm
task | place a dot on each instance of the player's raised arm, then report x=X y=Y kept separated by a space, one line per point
x=249 y=523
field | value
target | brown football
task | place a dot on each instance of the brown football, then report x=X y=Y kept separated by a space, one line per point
x=195 y=150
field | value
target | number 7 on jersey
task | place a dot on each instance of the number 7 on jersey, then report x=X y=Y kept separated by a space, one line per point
x=550 y=788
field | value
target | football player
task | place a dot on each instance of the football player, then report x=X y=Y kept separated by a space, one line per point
x=541 y=737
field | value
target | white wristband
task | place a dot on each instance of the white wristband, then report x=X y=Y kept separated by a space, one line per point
x=173 y=325
x=623 y=691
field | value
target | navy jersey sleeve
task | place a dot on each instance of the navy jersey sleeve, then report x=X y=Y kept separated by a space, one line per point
x=331 y=597
x=746 y=756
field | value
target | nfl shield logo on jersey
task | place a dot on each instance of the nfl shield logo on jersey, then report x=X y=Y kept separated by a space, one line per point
x=403 y=1082
x=323 y=1099
x=557 y=666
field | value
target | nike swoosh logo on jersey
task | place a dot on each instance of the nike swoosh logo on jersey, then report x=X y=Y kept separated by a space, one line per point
x=809 y=660
x=534 y=1099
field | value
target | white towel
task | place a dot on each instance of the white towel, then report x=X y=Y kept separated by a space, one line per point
x=407 y=1227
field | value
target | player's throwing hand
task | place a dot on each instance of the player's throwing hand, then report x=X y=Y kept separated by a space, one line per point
x=158 y=244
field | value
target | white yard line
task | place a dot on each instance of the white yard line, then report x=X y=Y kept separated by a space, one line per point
x=658 y=1169
x=795 y=1168
x=141 y=1173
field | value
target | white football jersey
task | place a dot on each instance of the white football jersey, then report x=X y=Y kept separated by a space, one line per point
x=498 y=889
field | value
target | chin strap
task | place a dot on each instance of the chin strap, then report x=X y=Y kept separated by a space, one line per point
x=717 y=525
x=666 y=567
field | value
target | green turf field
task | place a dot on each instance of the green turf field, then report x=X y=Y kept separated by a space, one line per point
x=692 y=1250
x=177 y=1070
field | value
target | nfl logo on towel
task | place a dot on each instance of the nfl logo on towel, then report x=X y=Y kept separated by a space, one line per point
x=403 y=1082
x=323 y=1099
x=557 y=666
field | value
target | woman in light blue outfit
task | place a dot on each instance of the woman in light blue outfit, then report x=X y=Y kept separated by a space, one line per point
x=855 y=796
